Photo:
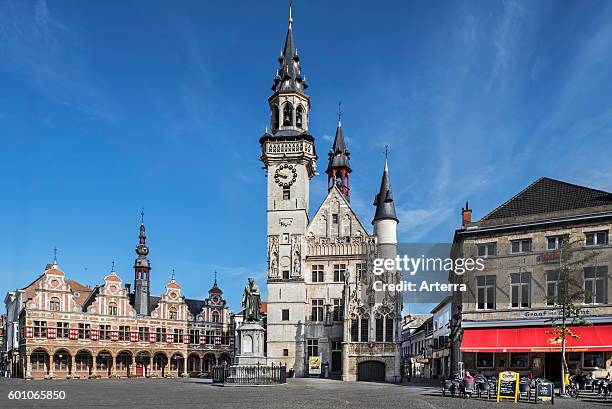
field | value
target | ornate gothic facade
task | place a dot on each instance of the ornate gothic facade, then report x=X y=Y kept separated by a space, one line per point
x=321 y=301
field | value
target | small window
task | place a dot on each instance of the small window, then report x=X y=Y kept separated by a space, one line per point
x=286 y=193
x=521 y=246
x=519 y=360
x=594 y=360
x=335 y=218
x=317 y=310
x=313 y=347
x=487 y=249
x=299 y=114
x=54 y=304
x=285 y=316
x=172 y=314
x=484 y=359
x=215 y=316
x=112 y=309
x=520 y=286
x=285 y=352
x=287 y=115
x=337 y=312
x=597 y=238
x=339 y=272
x=595 y=285
x=318 y=273
x=552 y=287
x=285 y=274
x=556 y=242
x=485 y=292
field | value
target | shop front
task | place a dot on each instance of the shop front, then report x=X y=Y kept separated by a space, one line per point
x=537 y=350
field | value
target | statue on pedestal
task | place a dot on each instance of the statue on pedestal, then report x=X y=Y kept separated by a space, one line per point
x=251 y=301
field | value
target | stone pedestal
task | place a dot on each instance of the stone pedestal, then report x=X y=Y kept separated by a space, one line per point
x=250 y=344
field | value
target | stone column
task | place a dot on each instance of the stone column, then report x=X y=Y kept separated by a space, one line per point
x=94 y=369
x=112 y=365
x=28 y=365
x=72 y=364
x=51 y=364
x=184 y=367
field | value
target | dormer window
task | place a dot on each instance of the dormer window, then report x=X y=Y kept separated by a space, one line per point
x=287 y=115
x=54 y=304
x=112 y=309
x=172 y=314
x=215 y=316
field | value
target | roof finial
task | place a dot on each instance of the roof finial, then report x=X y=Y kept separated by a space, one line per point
x=215 y=277
x=55 y=256
x=113 y=267
x=386 y=157
x=172 y=280
x=142 y=215
x=290 y=18
x=339 y=112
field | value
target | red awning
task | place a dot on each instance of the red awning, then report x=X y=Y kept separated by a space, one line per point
x=536 y=339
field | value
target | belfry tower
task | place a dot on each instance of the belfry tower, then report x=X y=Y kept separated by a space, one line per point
x=142 y=270
x=289 y=157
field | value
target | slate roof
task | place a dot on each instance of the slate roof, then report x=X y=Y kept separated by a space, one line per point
x=194 y=306
x=289 y=74
x=339 y=155
x=547 y=195
x=385 y=208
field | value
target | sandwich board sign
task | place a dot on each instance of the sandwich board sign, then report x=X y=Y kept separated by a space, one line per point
x=545 y=391
x=314 y=365
x=507 y=386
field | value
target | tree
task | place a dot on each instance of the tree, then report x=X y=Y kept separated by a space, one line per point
x=568 y=298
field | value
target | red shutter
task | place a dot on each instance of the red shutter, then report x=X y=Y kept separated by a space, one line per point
x=170 y=338
x=202 y=339
x=51 y=333
x=152 y=337
x=74 y=334
x=134 y=336
x=185 y=338
x=114 y=335
x=29 y=332
x=94 y=335
x=217 y=340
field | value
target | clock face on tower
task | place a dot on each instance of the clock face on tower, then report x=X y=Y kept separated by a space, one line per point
x=285 y=175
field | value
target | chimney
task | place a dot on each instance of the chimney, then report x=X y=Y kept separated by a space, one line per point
x=466 y=215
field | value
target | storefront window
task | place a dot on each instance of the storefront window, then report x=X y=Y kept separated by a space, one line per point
x=484 y=360
x=519 y=360
x=594 y=360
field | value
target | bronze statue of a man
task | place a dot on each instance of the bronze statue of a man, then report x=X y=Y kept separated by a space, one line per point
x=251 y=301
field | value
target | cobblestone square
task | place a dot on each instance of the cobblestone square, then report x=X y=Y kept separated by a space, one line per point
x=197 y=393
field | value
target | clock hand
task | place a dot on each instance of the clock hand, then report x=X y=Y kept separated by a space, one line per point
x=283 y=176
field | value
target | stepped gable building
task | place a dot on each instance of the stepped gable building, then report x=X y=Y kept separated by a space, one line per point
x=505 y=313
x=321 y=301
x=62 y=328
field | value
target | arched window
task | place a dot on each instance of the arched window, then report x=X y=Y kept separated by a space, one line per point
x=287 y=115
x=215 y=316
x=299 y=115
x=54 y=304
x=112 y=308
x=173 y=314
x=275 y=114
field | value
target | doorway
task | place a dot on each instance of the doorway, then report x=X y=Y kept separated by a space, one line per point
x=552 y=366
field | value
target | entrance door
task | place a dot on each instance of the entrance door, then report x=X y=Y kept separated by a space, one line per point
x=371 y=371
x=336 y=364
x=139 y=369
x=552 y=366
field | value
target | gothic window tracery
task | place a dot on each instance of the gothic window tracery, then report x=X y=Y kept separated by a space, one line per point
x=287 y=115
x=299 y=116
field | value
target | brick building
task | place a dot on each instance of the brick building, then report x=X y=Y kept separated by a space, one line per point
x=62 y=328
x=506 y=311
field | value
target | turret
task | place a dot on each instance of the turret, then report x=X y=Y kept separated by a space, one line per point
x=339 y=167
x=142 y=270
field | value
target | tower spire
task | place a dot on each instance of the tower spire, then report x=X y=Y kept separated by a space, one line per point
x=142 y=271
x=385 y=207
x=339 y=167
x=289 y=75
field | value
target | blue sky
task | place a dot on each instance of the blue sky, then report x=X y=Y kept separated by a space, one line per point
x=108 y=106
